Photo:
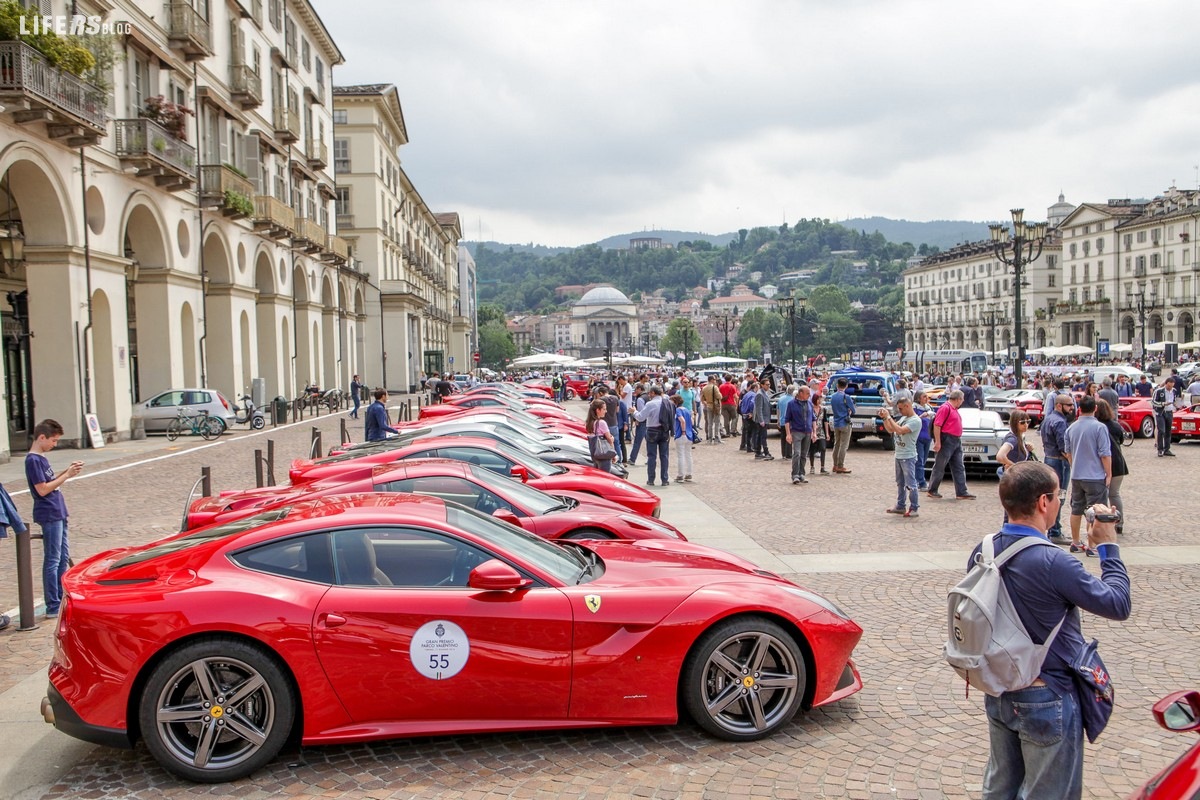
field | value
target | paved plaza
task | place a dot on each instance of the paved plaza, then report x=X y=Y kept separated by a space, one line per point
x=911 y=733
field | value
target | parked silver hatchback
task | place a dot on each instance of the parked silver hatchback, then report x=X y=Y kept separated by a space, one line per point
x=158 y=411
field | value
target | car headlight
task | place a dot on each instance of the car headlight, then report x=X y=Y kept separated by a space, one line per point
x=817 y=599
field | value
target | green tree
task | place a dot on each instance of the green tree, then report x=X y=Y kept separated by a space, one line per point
x=496 y=346
x=681 y=337
x=490 y=312
x=751 y=347
x=827 y=299
x=765 y=326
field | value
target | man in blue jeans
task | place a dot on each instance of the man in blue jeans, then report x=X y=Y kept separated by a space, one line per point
x=1057 y=452
x=1036 y=732
x=50 y=509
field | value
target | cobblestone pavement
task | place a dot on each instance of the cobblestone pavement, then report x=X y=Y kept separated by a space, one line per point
x=911 y=733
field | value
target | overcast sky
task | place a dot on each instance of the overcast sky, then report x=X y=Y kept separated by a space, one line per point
x=561 y=123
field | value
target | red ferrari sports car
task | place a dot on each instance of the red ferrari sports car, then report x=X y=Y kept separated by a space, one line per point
x=1137 y=413
x=489 y=454
x=362 y=617
x=1179 y=711
x=569 y=515
x=549 y=422
x=1186 y=424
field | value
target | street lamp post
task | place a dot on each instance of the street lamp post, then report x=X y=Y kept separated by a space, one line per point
x=991 y=318
x=1142 y=308
x=1024 y=247
x=1096 y=349
x=727 y=322
x=788 y=306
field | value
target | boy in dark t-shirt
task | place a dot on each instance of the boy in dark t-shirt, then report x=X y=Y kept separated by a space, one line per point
x=50 y=509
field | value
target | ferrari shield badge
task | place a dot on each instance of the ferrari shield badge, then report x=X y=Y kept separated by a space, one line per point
x=592 y=601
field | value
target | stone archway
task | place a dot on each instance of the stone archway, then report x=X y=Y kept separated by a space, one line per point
x=104 y=367
x=1187 y=327
x=267 y=311
x=222 y=350
x=147 y=303
x=329 y=336
x=40 y=304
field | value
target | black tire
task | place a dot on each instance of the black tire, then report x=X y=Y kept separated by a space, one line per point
x=889 y=442
x=1176 y=439
x=1146 y=429
x=731 y=698
x=570 y=394
x=173 y=430
x=250 y=706
x=588 y=533
x=258 y=423
x=211 y=428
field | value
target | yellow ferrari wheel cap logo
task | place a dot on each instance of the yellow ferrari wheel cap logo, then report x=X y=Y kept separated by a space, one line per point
x=747 y=681
x=216 y=711
x=592 y=601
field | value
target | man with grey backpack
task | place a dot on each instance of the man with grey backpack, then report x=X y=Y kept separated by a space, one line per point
x=1014 y=632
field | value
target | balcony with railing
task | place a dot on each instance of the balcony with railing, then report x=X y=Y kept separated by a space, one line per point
x=273 y=217
x=245 y=86
x=318 y=154
x=188 y=32
x=224 y=187
x=345 y=222
x=309 y=235
x=155 y=153
x=337 y=250
x=32 y=90
x=287 y=125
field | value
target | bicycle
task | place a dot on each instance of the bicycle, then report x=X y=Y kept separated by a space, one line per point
x=1126 y=433
x=200 y=423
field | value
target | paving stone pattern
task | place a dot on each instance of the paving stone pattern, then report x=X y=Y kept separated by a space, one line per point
x=910 y=734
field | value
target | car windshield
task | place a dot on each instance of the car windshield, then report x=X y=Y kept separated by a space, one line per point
x=539 y=553
x=536 y=467
x=370 y=448
x=535 y=501
x=205 y=535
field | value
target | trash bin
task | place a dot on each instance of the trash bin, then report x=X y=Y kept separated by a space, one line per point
x=280 y=404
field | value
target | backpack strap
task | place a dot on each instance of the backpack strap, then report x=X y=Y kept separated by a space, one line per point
x=988 y=552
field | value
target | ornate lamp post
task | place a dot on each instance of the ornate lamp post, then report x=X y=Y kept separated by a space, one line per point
x=1144 y=306
x=1023 y=247
x=788 y=306
x=726 y=322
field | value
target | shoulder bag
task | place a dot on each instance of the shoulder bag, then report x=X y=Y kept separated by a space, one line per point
x=601 y=449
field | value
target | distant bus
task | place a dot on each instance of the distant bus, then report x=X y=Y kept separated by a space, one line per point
x=944 y=361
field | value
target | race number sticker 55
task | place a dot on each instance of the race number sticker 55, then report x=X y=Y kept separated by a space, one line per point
x=439 y=649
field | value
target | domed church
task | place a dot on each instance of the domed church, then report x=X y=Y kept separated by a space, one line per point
x=604 y=317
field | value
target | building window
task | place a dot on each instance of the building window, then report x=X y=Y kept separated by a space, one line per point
x=1099 y=270
x=339 y=116
x=1074 y=297
x=1087 y=295
x=1100 y=245
x=1087 y=273
x=1087 y=248
x=1141 y=236
x=1073 y=250
x=1051 y=262
x=1128 y=241
x=1052 y=281
x=1154 y=261
x=1073 y=274
x=305 y=54
x=342 y=203
x=275 y=12
x=341 y=155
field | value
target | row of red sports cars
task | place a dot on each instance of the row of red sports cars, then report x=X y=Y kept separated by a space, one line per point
x=472 y=574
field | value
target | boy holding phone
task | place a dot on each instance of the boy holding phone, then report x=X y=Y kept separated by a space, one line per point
x=50 y=509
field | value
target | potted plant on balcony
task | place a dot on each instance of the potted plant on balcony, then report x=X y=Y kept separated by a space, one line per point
x=238 y=203
x=172 y=116
x=64 y=52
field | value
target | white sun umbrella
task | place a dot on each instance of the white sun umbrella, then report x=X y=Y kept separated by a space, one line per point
x=1158 y=347
x=640 y=361
x=543 y=360
x=1075 y=350
x=718 y=361
x=1120 y=347
x=1191 y=345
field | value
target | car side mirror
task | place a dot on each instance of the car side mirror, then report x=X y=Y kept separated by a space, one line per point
x=506 y=515
x=496 y=576
x=1179 y=711
x=519 y=471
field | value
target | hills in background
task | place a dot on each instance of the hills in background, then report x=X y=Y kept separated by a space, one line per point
x=942 y=234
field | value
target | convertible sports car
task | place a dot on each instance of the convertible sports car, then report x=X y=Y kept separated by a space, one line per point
x=495 y=456
x=362 y=617
x=568 y=515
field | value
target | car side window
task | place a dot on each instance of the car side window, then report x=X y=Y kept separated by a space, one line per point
x=489 y=460
x=453 y=489
x=305 y=558
x=167 y=399
x=405 y=557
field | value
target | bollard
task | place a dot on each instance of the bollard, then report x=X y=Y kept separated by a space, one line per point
x=258 y=468
x=315 y=450
x=270 y=462
x=206 y=481
x=25 y=581
x=345 y=433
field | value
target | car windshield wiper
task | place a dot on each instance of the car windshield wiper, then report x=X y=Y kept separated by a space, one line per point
x=589 y=569
x=578 y=552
